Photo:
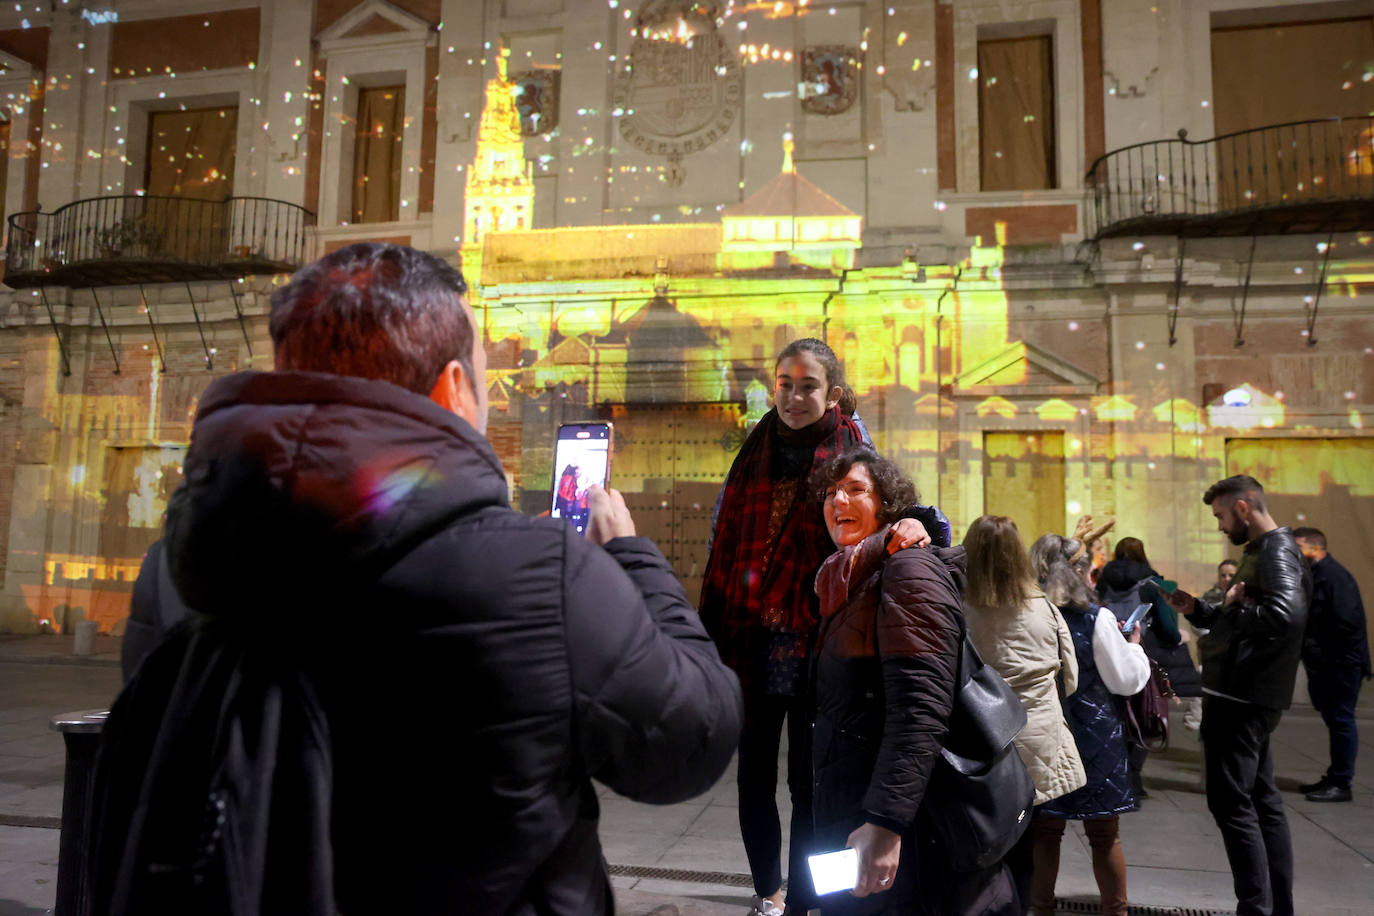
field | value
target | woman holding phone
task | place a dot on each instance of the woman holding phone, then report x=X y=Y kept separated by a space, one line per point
x=886 y=667
x=1107 y=665
x=759 y=605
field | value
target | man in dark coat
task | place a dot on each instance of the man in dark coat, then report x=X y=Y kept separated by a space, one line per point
x=453 y=674
x=1249 y=667
x=1335 y=654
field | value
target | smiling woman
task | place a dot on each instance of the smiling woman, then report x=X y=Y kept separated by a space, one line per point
x=861 y=493
x=884 y=676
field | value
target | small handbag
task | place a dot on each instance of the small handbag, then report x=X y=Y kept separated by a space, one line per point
x=1145 y=715
x=980 y=794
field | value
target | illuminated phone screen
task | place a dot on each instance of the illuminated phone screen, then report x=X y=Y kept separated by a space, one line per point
x=581 y=458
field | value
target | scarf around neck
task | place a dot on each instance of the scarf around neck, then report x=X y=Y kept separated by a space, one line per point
x=749 y=579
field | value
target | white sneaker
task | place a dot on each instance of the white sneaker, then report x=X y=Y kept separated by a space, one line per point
x=762 y=906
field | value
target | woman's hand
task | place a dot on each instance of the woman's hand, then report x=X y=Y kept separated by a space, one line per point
x=907 y=532
x=878 y=849
x=1134 y=635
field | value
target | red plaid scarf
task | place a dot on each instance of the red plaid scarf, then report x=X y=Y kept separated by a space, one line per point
x=743 y=578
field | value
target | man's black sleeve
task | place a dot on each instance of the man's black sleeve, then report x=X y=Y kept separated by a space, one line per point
x=1346 y=623
x=657 y=713
x=142 y=630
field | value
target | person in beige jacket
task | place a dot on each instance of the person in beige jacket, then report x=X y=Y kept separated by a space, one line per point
x=1020 y=633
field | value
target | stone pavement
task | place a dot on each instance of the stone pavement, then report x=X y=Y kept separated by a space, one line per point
x=687 y=859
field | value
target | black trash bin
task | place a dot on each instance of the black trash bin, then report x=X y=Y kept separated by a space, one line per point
x=81 y=731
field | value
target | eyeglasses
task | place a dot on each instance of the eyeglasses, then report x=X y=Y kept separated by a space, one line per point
x=851 y=491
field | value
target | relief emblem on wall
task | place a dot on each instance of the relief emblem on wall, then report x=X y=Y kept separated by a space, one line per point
x=536 y=100
x=680 y=88
x=830 y=78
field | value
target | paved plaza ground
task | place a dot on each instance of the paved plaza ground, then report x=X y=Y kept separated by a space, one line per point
x=687 y=859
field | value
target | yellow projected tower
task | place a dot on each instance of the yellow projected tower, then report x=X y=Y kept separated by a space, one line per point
x=500 y=186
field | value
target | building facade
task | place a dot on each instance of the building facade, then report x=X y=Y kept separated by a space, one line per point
x=1077 y=256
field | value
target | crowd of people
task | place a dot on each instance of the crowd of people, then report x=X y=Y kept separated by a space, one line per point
x=509 y=661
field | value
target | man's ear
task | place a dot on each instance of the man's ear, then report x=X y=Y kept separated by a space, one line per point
x=453 y=392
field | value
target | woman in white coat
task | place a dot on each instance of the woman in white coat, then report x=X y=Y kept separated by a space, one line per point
x=1019 y=632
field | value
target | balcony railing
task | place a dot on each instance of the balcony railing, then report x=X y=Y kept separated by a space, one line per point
x=1308 y=176
x=108 y=241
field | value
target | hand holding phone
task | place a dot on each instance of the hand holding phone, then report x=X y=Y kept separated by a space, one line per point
x=608 y=516
x=834 y=871
x=1137 y=615
x=1167 y=586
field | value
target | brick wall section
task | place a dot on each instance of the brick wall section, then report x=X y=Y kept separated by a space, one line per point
x=29 y=45
x=211 y=41
x=946 y=155
x=1094 y=114
x=429 y=131
x=1025 y=225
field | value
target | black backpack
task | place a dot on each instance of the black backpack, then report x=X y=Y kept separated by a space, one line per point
x=213 y=784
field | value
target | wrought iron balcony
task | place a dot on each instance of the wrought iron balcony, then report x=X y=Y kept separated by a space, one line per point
x=1308 y=176
x=112 y=241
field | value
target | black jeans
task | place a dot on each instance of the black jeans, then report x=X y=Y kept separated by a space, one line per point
x=1334 y=691
x=1246 y=804
x=757 y=772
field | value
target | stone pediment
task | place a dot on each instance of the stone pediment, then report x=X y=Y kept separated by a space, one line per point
x=1025 y=369
x=374 y=21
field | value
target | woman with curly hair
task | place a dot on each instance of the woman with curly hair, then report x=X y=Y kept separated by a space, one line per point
x=886 y=664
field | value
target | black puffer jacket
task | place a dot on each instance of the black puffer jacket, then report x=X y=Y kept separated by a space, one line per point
x=478 y=667
x=885 y=672
x=1254 y=647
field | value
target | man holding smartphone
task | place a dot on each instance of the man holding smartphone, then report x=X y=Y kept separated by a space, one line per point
x=1248 y=673
x=398 y=689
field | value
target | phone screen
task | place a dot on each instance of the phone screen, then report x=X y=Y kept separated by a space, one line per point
x=834 y=871
x=581 y=457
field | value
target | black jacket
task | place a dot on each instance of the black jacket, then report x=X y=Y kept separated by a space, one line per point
x=477 y=667
x=885 y=668
x=1336 y=632
x=154 y=609
x=1253 y=649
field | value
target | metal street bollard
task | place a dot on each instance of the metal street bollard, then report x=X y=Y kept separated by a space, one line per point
x=81 y=732
x=84 y=643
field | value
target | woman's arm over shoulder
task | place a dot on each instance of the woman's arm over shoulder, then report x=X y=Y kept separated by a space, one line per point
x=1123 y=665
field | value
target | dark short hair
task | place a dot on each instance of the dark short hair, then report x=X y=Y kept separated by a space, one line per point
x=1311 y=535
x=895 y=491
x=1227 y=563
x=374 y=310
x=834 y=373
x=1131 y=549
x=1241 y=486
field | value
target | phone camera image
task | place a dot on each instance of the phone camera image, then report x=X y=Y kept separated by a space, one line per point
x=581 y=460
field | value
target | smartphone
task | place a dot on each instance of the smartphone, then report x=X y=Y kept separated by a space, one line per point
x=834 y=871
x=581 y=457
x=1167 y=586
x=1140 y=611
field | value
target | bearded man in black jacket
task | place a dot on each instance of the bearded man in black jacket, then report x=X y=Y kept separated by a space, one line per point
x=395 y=688
x=1249 y=668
